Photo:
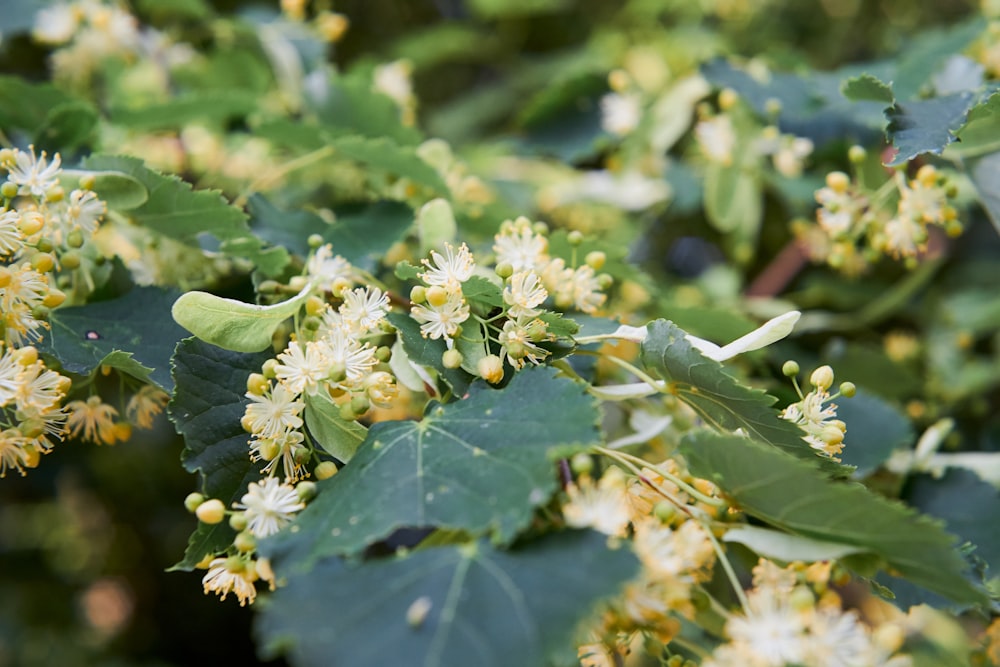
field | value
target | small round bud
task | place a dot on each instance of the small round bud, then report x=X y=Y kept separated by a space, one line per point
x=246 y=421
x=31 y=428
x=30 y=224
x=504 y=269
x=857 y=154
x=301 y=454
x=70 y=260
x=515 y=349
x=801 y=598
x=790 y=368
x=268 y=368
x=5 y=277
x=437 y=296
x=575 y=237
x=55 y=194
x=822 y=377
x=8 y=190
x=54 y=298
x=238 y=522
x=298 y=283
x=306 y=491
x=311 y=323
x=268 y=287
x=772 y=107
x=383 y=353
x=728 y=98
x=340 y=286
x=268 y=449
x=338 y=372
x=193 y=501
x=418 y=294
x=26 y=356
x=452 y=359
x=540 y=228
x=664 y=511
x=360 y=404
x=7 y=157
x=43 y=262
x=927 y=175
x=314 y=241
x=211 y=511
x=596 y=259
x=838 y=181
x=314 y=305
x=582 y=463
x=245 y=542
x=257 y=384
x=326 y=470
x=88 y=182
x=490 y=368
x=347 y=413
x=235 y=564
x=75 y=239
x=848 y=389
x=32 y=456
x=831 y=435
x=604 y=280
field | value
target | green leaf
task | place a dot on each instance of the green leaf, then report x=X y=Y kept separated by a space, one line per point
x=406 y=271
x=119 y=191
x=54 y=119
x=133 y=333
x=428 y=351
x=733 y=197
x=385 y=154
x=478 y=289
x=352 y=107
x=234 y=325
x=792 y=495
x=874 y=430
x=483 y=607
x=68 y=125
x=715 y=395
x=558 y=325
x=206 y=409
x=206 y=539
x=210 y=105
x=867 y=88
x=338 y=436
x=481 y=464
x=985 y=175
x=981 y=133
x=362 y=234
x=174 y=208
x=786 y=547
x=925 y=126
x=968 y=506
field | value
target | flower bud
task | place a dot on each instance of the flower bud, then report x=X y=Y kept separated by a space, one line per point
x=437 y=296
x=268 y=449
x=418 y=294
x=31 y=223
x=848 y=389
x=193 y=501
x=575 y=237
x=43 y=262
x=301 y=454
x=8 y=190
x=504 y=269
x=790 y=368
x=88 y=182
x=451 y=359
x=211 y=511
x=75 y=239
x=314 y=305
x=268 y=287
x=857 y=154
x=244 y=542
x=838 y=181
x=383 y=353
x=581 y=464
x=54 y=298
x=728 y=98
x=306 y=491
x=596 y=260
x=238 y=522
x=490 y=368
x=822 y=377
x=360 y=404
x=257 y=384
x=268 y=368
x=314 y=241
x=70 y=260
x=664 y=511
x=326 y=470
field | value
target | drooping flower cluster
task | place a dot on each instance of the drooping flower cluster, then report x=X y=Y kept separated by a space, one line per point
x=856 y=226
x=816 y=415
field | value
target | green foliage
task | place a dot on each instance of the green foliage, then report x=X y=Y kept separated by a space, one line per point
x=233 y=325
x=338 y=436
x=447 y=605
x=218 y=106
x=133 y=334
x=789 y=494
x=428 y=351
x=926 y=126
x=482 y=465
x=206 y=409
x=52 y=118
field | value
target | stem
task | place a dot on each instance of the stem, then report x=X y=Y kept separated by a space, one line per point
x=684 y=486
x=288 y=167
x=730 y=573
x=621 y=363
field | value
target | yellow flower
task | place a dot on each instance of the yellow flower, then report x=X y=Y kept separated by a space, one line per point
x=94 y=418
x=146 y=404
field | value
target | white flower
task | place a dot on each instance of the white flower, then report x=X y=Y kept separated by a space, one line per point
x=773 y=634
x=11 y=238
x=441 y=321
x=518 y=245
x=273 y=412
x=269 y=506
x=451 y=269
x=620 y=114
x=517 y=339
x=717 y=139
x=328 y=268
x=904 y=236
x=675 y=555
x=393 y=80
x=226 y=577
x=56 y=24
x=364 y=309
x=838 y=640
x=34 y=175
x=524 y=291
x=301 y=367
x=602 y=507
x=85 y=210
x=346 y=355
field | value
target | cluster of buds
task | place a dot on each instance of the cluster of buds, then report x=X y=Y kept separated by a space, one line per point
x=814 y=412
x=266 y=507
x=856 y=226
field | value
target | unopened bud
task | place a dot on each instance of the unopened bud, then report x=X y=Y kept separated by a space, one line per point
x=575 y=237
x=790 y=368
x=54 y=298
x=504 y=269
x=822 y=377
x=238 y=522
x=306 y=491
x=8 y=190
x=268 y=368
x=596 y=260
x=418 y=294
x=43 y=262
x=728 y=98
x=490 y=368
x=326 y=470
x=314 y=241
x=245 y=542
x=257 y=384
x=70 y=260
x=193 y=501
x=437 y=296
x=838 y=181
x=581 y=464
x=87 y=182
x=211 y=511
x=848 y=389
x=314 y=305
x=857 y=154
x=451 y=359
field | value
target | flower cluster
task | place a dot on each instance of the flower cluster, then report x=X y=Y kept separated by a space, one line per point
x=855 y=226
x=816 y=415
